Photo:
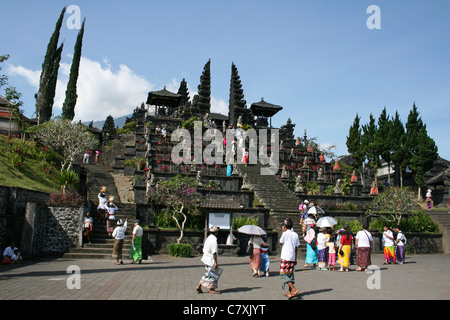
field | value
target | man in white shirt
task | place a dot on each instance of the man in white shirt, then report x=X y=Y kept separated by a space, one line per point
x=289 y=241
x=209 y=258
x=118 y=235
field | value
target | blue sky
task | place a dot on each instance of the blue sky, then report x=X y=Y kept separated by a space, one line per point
x=317 y=59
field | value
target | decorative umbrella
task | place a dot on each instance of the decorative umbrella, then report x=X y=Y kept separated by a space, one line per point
x=252 y=230
x=326 y=222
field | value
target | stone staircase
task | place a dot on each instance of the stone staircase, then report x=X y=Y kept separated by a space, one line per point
x=101 y=245
x=275 y=196
x=442 y=218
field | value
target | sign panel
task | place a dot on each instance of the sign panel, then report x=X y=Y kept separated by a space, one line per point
x=222 y=220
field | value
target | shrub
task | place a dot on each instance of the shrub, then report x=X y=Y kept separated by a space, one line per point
x=66 y=200
x=354 y=225
x=183 y=250
x=242 y=221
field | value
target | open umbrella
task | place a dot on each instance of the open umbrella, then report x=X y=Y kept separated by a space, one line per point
x=252 y=230
x=326 y=222
x=315 y=210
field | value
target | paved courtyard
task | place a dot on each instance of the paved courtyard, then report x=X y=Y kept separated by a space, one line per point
x=167 y=278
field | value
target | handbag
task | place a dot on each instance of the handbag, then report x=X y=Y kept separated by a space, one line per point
x=313 y=244
x=250 y=248
x=341 y=252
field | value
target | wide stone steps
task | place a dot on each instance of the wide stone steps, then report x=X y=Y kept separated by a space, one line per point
x=442 y=218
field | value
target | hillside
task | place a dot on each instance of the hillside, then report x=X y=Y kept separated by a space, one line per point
x=26 y=166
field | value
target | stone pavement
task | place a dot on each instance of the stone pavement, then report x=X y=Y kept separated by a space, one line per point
x=167 y=278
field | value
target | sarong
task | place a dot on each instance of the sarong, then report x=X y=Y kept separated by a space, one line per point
x=400 y=253
x=110 y=225
x=389 y=254
x=311 y=255
x=363 y=257
x=323 y=255
x=136 y=250
x=207 y=281
x=287 y=272
x=345 y=259
x=117 y=250
x=265 y=262
x=255 y=258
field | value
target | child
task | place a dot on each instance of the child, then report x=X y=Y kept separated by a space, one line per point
x=322 y=246
x=331 y=253
x=265 y=262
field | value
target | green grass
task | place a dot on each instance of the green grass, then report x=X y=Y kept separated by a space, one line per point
x=33 y=169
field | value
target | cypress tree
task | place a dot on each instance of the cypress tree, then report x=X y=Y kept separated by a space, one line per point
x=384 y=143
x=422 y=149
x=204 y=90
x=46 y=93
x=399 y=154
x=354 y=146
x=370 y=145
x=68 y=109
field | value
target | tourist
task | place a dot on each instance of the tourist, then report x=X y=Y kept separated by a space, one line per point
x=321 y=247
x=245 y=157
x=164 y=133
x=311 y=247
x=8 y=253
x=363 y=243
x=136 y=242
x=265 y=261
x=86 y=157
x=290 y=242
x=388 y=243
x=102 y=208
x=209 y=258
x=97 y=155
x=345 y=248
x=400 y=243
x=16 y=257
x=429 y=200
x=255 y=255
x=331 y=244
x=157 y=129
x=119 y=235
x=303 y=215
x=87 y=226
x=112 y=208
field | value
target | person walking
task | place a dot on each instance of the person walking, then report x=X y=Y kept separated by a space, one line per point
x=119 y=235
x=321 y=247
x=102 y=205
x=136 y=243
x=210 y=259
x=112 y=208
x=290 y=242
x=363 y=243
x=265 y=261
x=255 y=255
x=311 y=246
x=87 y=226
x=388 y=242
x=345 y=248
x=400 y=243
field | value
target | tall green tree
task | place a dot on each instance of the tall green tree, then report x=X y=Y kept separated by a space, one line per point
x=370 y=145
x=68 y=109
x=49 y=74
x=354 y=145
x=384 y=142
x=399 y=156
x=422 y=149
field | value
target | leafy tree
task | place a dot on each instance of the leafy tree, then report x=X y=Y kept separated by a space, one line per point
x=180 y=195
x=49 y=74
x=69 y=139
x=421 y=148
x=394 y=201
x=383 y=139
x=13 y=97
x=370 y=145
x=354 y=146
x=3 y=77
x=399 y=156
x=68 y=109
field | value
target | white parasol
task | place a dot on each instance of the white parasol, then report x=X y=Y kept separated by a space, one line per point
x=326 y=222
x=252 y=230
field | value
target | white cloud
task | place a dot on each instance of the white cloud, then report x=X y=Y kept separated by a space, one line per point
x=103 y=91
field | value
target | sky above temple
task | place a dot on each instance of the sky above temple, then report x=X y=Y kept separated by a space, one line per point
x=322 y=61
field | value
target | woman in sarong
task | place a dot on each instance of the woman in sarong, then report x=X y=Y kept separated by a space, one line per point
x=102 y=208
x=255 y=256
x=388 y=242
x=311 y=251
x=136 y=243
x=345 y=248
x=363 y=241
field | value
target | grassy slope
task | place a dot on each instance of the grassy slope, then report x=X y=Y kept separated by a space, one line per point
x=31 y=175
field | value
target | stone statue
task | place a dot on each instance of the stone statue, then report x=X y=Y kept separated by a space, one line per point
x=245 y=183
x=198 y=178
x=320 y=174
x=206 y=120
x=337 y=188
x=284 y=173
x=298 y=184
